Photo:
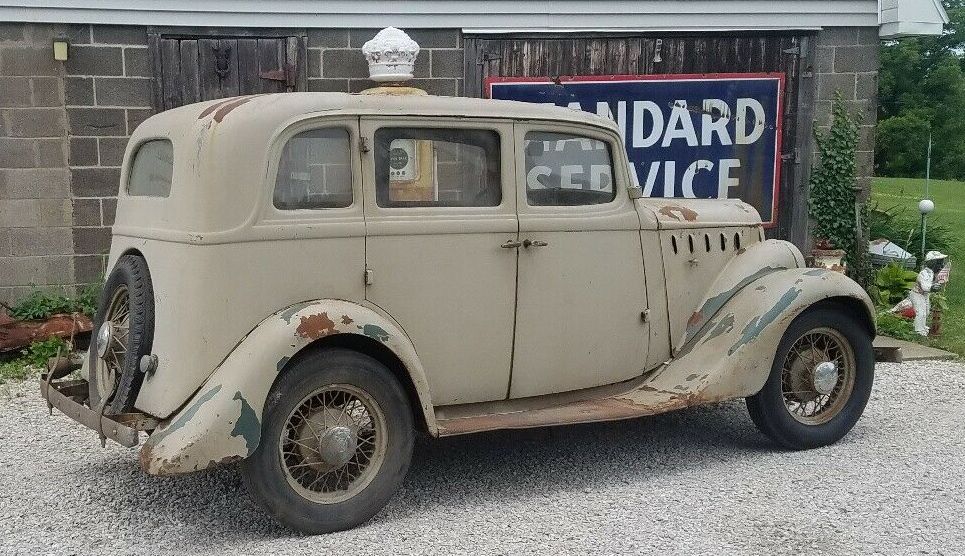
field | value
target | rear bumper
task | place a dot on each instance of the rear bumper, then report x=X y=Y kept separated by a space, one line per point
x=71 y=396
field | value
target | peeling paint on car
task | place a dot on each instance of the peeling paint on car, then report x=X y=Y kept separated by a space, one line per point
x=185 y=417
x=315 y=326
x=671 y=211
x=247 y=425
x=757 y=325
x=288 y=313
x=724 y=326
x=713 y=305
x=375 y=332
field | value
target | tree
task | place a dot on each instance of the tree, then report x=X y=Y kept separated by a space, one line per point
x=922 y=90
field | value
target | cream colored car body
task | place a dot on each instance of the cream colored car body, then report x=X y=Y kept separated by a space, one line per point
x=633 y=307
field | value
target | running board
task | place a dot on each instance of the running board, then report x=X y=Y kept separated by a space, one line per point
x=641 y=400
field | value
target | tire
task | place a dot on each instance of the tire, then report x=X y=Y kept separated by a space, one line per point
x=268 y=473
x=792 y=428
x=131 y=276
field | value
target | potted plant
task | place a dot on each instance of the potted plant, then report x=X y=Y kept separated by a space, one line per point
x=826 y=256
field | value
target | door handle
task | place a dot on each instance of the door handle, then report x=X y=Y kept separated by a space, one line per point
x=511 y=244
x=534 y=243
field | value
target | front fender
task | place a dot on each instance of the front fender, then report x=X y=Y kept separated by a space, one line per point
x=222 y=421
x=730 y=351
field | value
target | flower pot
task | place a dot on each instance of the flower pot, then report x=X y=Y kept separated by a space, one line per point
x=831 y=259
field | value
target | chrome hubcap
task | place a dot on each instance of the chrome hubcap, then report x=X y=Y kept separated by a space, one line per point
x=104 y=337
x=337 y=445
x=825 y=377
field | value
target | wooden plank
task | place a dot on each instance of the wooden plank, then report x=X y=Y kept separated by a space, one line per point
x=207 y=61
x=171 y=73
x=472 y=68
x=190 y=81
x=249 y=82
x=229 y=81
x=301 y=62
x=271 y=58
x=154 y=52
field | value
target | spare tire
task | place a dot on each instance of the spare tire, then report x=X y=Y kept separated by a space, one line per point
x=124 y=332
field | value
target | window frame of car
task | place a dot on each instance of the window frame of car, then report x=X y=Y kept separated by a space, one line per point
x=131 y=158
x=503 y=128
x=619 y=169
x=273 y=215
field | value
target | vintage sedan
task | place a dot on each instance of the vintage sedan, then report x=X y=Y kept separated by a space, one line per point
x=302 y=282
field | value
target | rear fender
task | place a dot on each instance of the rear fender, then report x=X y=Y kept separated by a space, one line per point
x=222 y=421
x=731 y=353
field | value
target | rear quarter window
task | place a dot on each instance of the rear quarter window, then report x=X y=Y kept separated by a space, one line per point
x=151 y=169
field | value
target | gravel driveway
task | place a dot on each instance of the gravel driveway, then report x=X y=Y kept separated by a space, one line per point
x=697 y=481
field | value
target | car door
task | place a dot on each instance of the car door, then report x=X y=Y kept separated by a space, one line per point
x=581 y=294
x=441 y=231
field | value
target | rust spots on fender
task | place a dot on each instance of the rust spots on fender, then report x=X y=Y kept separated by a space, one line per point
x=694 y=319
x=315 y=326
x=347 y=319
x=686 y=213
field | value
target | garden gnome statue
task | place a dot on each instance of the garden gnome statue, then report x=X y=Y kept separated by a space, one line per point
x=927 y=282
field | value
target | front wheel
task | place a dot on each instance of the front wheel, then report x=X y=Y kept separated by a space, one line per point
x=820 y=380
x=336 y=442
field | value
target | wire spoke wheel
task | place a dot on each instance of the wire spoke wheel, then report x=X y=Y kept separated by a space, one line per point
x=333 y=443
x=112 y=342
x=818 y=376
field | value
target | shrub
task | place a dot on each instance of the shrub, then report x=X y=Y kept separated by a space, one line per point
x=890 y=324
x=892 y=283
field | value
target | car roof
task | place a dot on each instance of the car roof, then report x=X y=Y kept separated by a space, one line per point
x=282 y=107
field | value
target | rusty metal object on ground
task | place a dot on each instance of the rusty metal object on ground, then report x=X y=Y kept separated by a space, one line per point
x=16 y=334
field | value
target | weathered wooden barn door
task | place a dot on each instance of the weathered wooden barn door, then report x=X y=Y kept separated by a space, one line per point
x=194 y=68
x=789 y=54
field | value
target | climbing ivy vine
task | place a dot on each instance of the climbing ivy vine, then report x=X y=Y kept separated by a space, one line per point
x=832 y=197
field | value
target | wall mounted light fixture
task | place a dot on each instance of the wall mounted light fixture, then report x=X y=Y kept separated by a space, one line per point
x=60 y=49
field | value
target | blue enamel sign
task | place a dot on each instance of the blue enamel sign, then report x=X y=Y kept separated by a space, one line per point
x=712 y=136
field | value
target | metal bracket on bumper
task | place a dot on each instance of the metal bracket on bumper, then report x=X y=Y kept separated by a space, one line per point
x=69 y=396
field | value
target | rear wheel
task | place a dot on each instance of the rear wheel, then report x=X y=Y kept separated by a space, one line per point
x=125 y=332
x=336 y=442
x=820 y=380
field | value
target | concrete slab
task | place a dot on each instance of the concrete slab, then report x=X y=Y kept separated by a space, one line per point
x=911 y=351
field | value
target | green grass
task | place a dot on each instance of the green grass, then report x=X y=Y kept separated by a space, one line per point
x=949 y=197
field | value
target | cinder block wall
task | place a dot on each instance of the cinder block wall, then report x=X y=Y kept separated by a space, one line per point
x=107 y=93
x=36 y=243
x=64 y=127
x=336 y=63
x=847 y=61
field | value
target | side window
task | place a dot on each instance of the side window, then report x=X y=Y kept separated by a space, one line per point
x=315 y=171
x=567 y=170
x=420 y=167
x=151 y=169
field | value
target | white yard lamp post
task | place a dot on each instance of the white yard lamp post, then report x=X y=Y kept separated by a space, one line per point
x=925 y=207
x=391 y=55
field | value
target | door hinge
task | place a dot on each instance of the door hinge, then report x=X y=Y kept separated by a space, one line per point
x=364 y=144
x=795 y=155
x=645 y=315
x=369 y=276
